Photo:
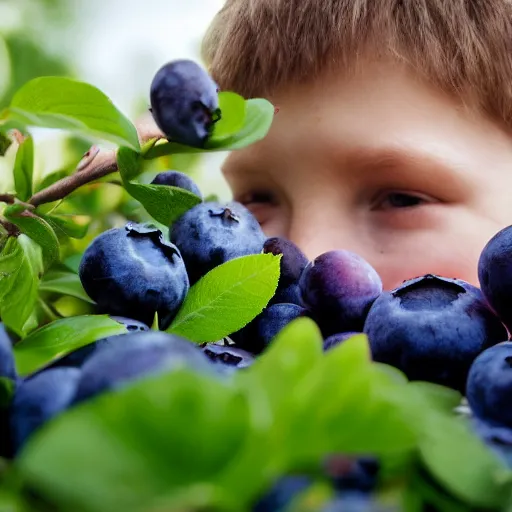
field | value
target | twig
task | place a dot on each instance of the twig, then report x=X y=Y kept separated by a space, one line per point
x=95 y=164
x=12 y=229
x=7 y=198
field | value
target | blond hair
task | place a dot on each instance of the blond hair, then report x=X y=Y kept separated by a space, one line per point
x=461 y=46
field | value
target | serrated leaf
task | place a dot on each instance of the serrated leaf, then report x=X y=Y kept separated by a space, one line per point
x=64 y=283
x=24 y=169
x=227 y=298
x=20 y=268
x=165 y=204
x=461 y=462
x=57 y=339
x=133 y=452
x=233 y=111
x=73 y=226
x=258 y=119
x=38 y=230
x=58 y=102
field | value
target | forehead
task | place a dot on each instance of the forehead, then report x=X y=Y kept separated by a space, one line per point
x=383 y=113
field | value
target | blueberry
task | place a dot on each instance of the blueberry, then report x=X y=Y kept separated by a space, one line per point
x=356 y=502
x=140 y=354
x=293 y=263
x=38 y=399
x=282 y=494
x=7 y=367
x=230 y=356
x=177 y=179
x=210 y=234
x=495 y=274
x=489 y=384
x=432 y=328
x=184 y=102
x=339 y=288
x=275 y=318
x=352 y=473
x=336 y=339
x=497 y=437
x=78 y=357
x=133 y=272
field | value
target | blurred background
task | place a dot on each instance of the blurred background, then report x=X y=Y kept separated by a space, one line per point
x=115 y=45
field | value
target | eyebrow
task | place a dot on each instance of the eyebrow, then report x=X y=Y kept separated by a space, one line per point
x=427 y=168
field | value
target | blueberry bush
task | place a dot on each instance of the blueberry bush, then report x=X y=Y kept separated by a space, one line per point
x=165 y=355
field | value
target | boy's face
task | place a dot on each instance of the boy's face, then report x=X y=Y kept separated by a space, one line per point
x=382 y=165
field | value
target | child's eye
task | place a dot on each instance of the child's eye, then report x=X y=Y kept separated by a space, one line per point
x=260 y=204
x=394 y=200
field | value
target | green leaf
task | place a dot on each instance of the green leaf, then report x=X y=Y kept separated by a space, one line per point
x=165 y=204
x=152 y=440
x=51 y=178
x=57 y=102
x=129 y=163
x=461 y=462
x=57 y=339
x=38 y=230
x=233 y=110
x=5 y=143
x=20 y=268
x=258 y=119
x=24 y=169
x=74 y=226
x=227 y=298
x=64 y=283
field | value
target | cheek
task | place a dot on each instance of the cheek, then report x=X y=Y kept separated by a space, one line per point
x=443 y=257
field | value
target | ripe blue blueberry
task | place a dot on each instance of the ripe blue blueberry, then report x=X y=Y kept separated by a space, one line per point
x=432 y=328
x=7 y=368
x=79 y=356
x=228 y=356
x=38 y=399
x=293 y=263
x=337 y=339
x=139 y=354
x=210 y=234
x=177 y=179
x=275 y=318
x=495 y=274
x=282 y=494
x=133 y=272
x=339 y=287
x=184 y=102
x=489 y=384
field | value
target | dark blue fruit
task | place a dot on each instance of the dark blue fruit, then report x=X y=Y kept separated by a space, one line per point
x=184 y=102
x=497 y=437
x=38 y=399
x=495 y=274
x=283 y=493
x=78 y=357
x=489 y=384
x=7 y=368
x=339 y=287
x=337 y=339
x=133 y=272
x=357 y=502
x=293 y=263
x=229 y=356
x=210 y=234
x=432 y=328
x=177 y=179
x=352 y=473
x=139 y=355
x=275 y=318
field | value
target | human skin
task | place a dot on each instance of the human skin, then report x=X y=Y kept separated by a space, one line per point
x=382 y=164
